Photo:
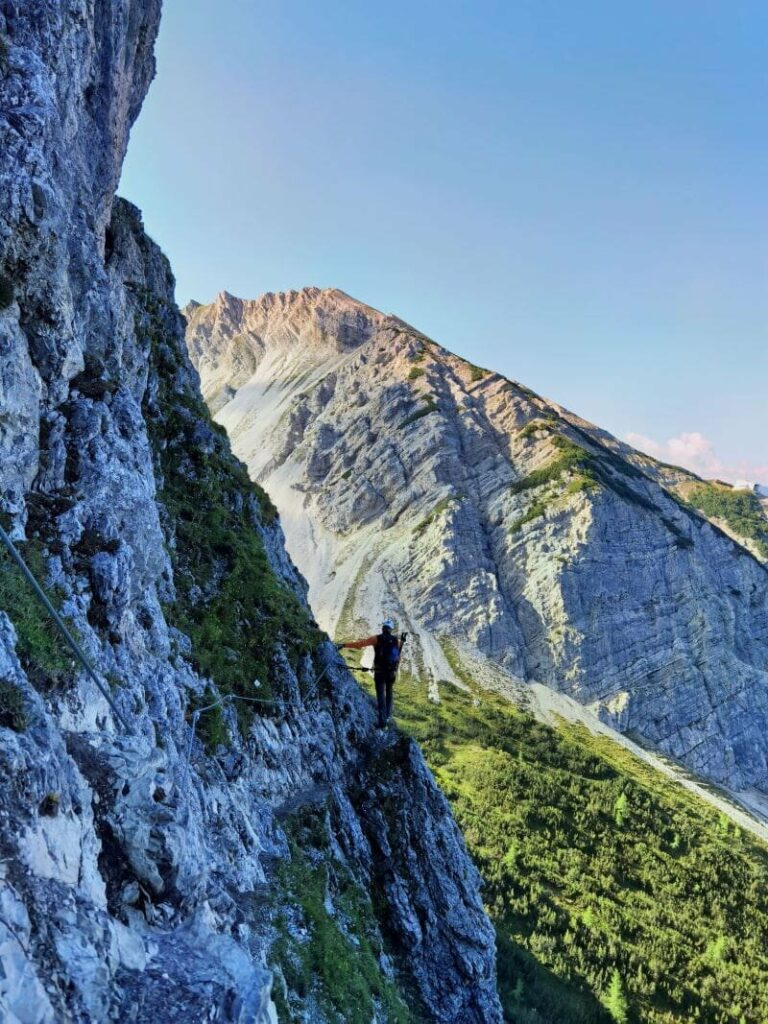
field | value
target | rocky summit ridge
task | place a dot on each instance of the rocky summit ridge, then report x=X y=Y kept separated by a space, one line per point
x=520 y=544
x=246 y=844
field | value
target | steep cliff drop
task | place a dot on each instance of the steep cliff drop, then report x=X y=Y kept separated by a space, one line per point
x=171 y=871
x=520 y=544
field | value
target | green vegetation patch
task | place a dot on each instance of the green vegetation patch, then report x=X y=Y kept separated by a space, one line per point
x=348 y=624
x=328 y=948
x=43 y=653
x=211 y=724
x=442 y=506
x=582 y=482
x=535 y=426
x=430 y=406
x=453 y=656
x=572 y=458
x=415 y=373
x=616 y=894
x=535 y=510
x=741 y=510
x=476 y=373
x=588 y=470
x=228 y=599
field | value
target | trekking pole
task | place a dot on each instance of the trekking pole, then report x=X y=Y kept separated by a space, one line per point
x=59 y=623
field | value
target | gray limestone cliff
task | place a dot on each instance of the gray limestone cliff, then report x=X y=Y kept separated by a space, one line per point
x=518 y=542
x=248 y=844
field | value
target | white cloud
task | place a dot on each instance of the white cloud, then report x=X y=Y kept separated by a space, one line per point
x=696 y=452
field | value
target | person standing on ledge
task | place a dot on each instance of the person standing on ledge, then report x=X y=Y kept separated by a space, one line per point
x=386 y=662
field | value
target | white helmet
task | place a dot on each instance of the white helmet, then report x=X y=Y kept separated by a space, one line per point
x=387 y=624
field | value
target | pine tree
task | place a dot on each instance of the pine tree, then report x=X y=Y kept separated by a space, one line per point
x=616 y=1002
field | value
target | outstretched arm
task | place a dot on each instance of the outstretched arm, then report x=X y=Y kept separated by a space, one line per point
x=358 y=644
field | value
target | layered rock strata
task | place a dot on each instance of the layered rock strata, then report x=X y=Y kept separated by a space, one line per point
x=518 y=542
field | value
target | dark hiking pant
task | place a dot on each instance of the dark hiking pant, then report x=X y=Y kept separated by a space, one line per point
x=384 y=683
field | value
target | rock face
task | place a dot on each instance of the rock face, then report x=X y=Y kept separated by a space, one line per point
x=514 y=539
x=248 y=825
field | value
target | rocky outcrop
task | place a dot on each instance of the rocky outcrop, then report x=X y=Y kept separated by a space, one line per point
x=515 y=540
x=210 y=860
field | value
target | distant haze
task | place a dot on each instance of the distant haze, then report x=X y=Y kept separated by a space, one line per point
x=572 y=194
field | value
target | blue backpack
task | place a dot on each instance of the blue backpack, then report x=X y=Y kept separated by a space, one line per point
x=387 y=652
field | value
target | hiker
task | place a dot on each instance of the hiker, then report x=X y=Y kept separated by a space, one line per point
x=386 y=661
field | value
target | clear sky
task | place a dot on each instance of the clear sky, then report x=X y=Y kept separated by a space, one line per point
x=574 y=194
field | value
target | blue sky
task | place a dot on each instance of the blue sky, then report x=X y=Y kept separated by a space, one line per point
x=573 y=194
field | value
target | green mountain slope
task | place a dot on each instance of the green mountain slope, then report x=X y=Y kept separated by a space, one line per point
x=740 y=510
x=616 y=894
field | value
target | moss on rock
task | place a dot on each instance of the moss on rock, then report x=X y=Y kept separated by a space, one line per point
x=328 y=948
x=229 y=600
x=41 y=648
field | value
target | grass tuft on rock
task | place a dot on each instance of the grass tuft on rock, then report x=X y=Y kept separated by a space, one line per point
x=327 y=948
x=442 y=506
x=211 y=724
x=572 y=462
x=430 y=406
x=572 y=458
x=535 y=510
x=534 y=427
x=43 y=653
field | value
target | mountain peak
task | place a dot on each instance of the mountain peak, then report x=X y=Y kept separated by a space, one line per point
x=304 y=327
x=411 y=482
